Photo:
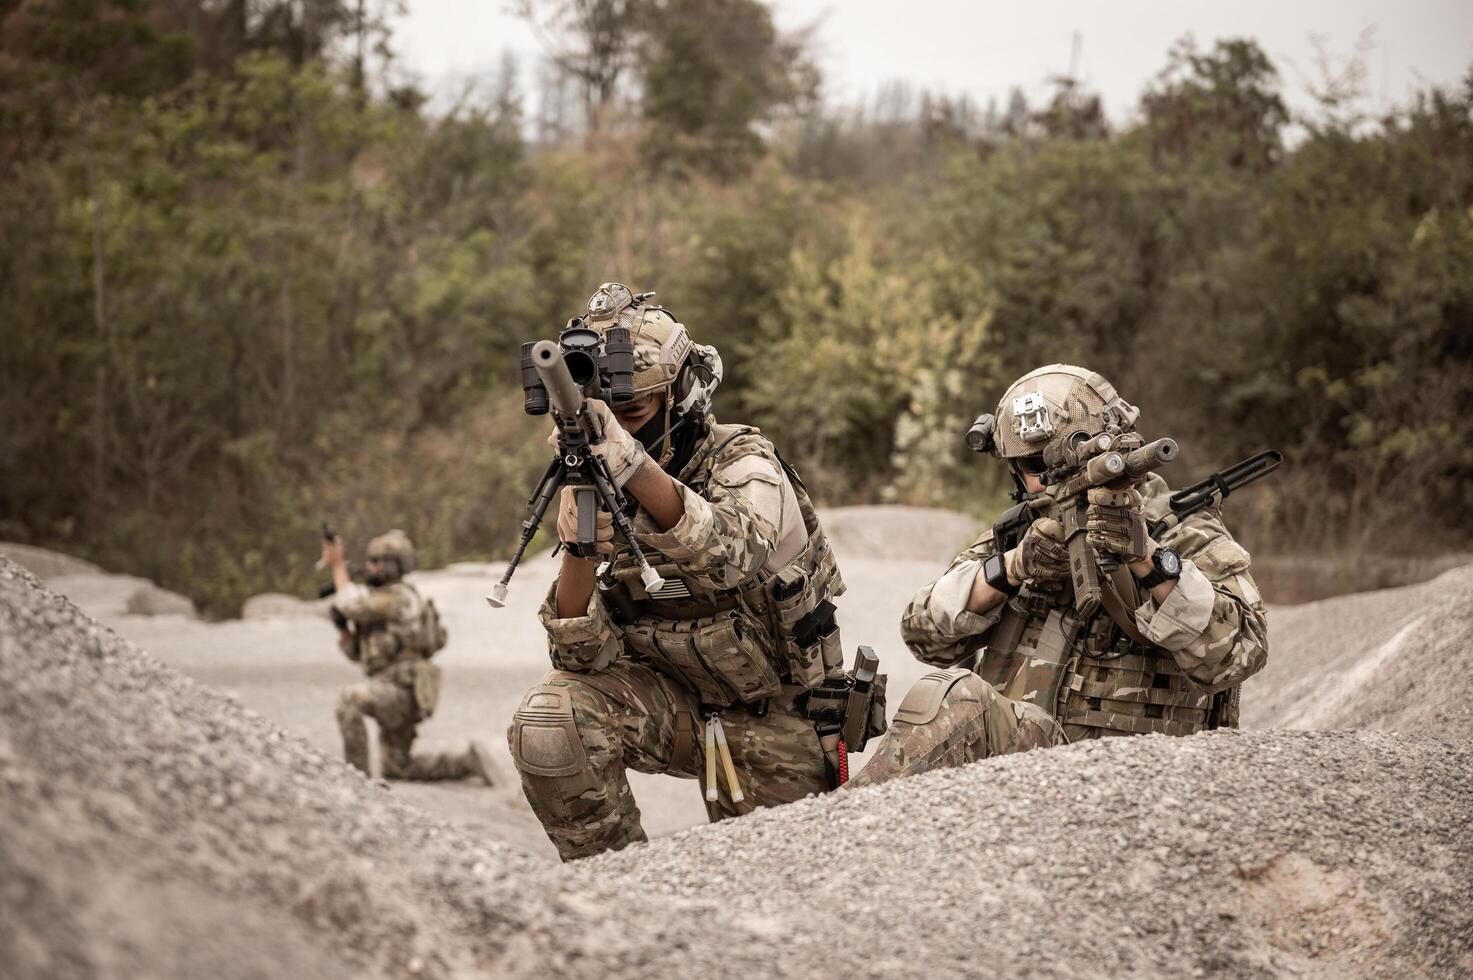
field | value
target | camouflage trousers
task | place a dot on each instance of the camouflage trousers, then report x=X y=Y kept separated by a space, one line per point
x=575 y=735
x=953 y=717
x=393 y=706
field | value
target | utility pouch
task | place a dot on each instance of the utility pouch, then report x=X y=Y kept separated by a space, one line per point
x=621 y=606
x=426 y=687
x=722 y=657
x=818 y=632
x=793 y=598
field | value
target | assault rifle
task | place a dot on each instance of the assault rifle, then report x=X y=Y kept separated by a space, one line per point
x=1118 y=460
x=575 y=463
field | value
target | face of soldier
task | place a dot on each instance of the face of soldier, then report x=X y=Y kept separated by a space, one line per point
x=633 y=414
x=378 y=571
x=1030 y=470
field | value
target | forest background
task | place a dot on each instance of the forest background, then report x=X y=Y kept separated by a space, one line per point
x=247 y=283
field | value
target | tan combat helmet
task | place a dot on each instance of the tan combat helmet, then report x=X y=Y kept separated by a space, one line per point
x=394 y=544
x=662 y=347
x=1053 y=407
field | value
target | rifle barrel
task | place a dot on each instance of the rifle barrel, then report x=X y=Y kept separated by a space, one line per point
x=566 y=396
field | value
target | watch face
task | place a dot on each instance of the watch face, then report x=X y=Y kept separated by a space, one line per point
x=1169 y=562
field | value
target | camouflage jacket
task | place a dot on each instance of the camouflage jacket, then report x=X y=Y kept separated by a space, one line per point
x=711 y=627
x=385 y=621
x=1209 y=635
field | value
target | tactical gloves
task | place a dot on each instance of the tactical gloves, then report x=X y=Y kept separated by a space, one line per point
x=621 y=451
x=1041 y=555
x=1115 y=524
x=567 y=524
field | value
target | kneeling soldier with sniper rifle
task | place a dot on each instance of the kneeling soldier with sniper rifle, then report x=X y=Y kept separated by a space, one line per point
x=700 y=642
x=1102 y=604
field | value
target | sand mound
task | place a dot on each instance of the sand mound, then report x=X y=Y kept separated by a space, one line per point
x=149 y=826
x=44 y=563
x=1398 y=659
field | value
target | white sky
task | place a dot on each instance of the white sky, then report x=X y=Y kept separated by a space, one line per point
x=982 y=48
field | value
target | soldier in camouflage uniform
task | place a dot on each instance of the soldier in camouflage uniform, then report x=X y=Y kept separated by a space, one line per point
x=1196 y=606
x=641 y=677
x=390 y=630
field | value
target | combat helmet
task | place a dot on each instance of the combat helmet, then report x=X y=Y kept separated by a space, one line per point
x=665 y=358
x=394 y=544
x=1057 y=406
x=1046 y=414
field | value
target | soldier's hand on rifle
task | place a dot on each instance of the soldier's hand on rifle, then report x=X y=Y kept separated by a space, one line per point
x=1041 y=556
x=1115 y=524
x=567 y=524
x=333 y=553
x=619 y=449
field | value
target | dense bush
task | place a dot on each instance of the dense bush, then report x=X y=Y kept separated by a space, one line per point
x=241 y=294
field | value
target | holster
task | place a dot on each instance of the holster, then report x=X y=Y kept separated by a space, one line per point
x=851 y=705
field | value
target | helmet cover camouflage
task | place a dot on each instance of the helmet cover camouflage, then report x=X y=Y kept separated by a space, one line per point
x=1049 y=407
x=661 y=343
x=394 y=544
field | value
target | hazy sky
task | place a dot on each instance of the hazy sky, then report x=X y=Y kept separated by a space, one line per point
x=982 y=48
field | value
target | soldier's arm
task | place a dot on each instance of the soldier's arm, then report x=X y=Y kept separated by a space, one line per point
x=587 y=642
x=1213 y=622
x=724 y=537
x=938 y=626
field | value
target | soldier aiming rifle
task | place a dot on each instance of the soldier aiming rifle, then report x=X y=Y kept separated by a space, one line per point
x=1101 y=604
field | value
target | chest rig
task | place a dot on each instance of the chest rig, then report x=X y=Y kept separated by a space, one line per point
x=1090 y=675
x=740 y=644
x=384 y=643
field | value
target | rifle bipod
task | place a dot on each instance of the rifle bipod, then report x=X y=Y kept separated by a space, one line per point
x=588 y=475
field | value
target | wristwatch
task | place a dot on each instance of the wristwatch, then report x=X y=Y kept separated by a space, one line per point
x=995 y=574
x=1165 y=567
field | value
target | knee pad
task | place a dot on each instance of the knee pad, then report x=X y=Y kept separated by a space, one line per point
x=544 y=735
x=926 y=697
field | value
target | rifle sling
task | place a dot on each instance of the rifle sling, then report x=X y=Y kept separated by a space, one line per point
x=1113 y=587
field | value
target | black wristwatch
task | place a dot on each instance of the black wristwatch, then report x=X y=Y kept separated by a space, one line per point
x=1165 y=567
x=995 y=574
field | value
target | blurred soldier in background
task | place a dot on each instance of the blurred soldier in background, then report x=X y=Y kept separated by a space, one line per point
x=389 y=629
x=720 y=660
x=1193 y=628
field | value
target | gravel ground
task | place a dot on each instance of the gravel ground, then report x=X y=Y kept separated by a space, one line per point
x=1394 y=660
x=151 y=826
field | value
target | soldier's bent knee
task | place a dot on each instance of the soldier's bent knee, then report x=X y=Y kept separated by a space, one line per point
x=544 y=734
x=348 y=708
x=924 y=701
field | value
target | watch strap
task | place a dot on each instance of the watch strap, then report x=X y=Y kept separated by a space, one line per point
x=995 y=574
x=1152 y=579
x=1156 y=576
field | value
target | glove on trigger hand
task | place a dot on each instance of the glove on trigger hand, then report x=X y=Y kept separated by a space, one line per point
x=1041 y=555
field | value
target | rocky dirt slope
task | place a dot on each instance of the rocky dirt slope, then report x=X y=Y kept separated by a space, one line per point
x=149 y=826
x=1397 y=660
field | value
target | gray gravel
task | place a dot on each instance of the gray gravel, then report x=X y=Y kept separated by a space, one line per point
x=1394 y=660
x=150 y=826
